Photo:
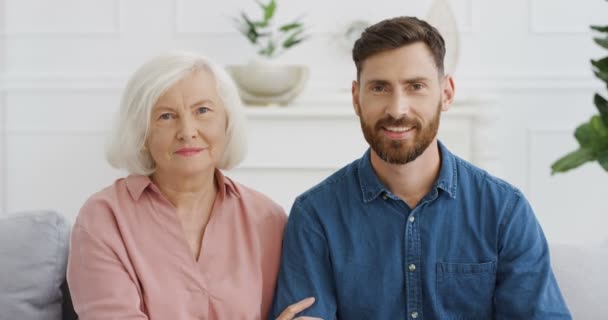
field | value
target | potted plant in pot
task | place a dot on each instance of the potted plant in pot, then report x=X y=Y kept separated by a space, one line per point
x=263 y=80
x=592 y=135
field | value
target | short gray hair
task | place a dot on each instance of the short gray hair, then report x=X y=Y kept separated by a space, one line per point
x=126 y=145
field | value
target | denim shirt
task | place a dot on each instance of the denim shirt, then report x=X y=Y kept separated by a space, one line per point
x=471 y=249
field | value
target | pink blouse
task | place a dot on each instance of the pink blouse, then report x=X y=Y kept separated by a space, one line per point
x=129 y=258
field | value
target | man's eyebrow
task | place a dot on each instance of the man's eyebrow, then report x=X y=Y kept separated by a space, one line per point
x=377 y=81
x=402 y=81
x=414 y=80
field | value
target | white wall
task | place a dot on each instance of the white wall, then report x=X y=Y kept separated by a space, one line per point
x=63 y=64
x=2 y=109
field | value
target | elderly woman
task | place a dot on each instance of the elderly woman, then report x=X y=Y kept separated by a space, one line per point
x=177 y=239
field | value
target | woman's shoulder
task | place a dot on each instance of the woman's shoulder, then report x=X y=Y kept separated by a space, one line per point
x=100 y=208
x=261 y=203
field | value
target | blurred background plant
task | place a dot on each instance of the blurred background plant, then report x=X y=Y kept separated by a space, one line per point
x=592 y=136
x=269 y=39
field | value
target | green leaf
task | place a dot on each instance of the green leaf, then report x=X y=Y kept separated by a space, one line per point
x=248 y=21
x=290 y=26
x=601 y=133
x=263 y=6
x=572 y=160
x=269 y=10
x=603 y=160
x=584 y=134
x=250 y=30
x=601 y=65
x=292 y=42
x=261 y=24
x=602 y=107
x=603 y=42
x=269 y=50
x=294 y=39
x=593 y=135
x=601 y=75
x=600 y=28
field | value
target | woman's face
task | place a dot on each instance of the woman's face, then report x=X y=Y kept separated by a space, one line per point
x=188 y=126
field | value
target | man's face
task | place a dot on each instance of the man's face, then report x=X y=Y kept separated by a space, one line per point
x=399 y=99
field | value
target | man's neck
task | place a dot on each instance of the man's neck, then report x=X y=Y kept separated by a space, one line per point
x=411 y=181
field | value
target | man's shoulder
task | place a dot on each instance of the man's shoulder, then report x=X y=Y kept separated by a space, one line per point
x=470 y=174
x=336 y=184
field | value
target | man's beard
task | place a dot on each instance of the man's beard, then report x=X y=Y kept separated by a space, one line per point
x=400 y=151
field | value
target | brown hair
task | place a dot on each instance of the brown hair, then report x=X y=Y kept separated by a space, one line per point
x=395 y=33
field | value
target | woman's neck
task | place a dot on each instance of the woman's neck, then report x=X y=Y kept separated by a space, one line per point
x=187 y=191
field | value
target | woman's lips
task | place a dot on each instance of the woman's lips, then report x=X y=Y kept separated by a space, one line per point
x=188 y=152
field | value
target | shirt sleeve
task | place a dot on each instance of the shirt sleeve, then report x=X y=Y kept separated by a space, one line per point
x=305 y=269
x=271 y=235
x=100 y=286
x=525 y=286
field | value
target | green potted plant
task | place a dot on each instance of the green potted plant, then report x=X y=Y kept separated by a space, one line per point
x=270 y=41
x=592 y=136
x=264 y=80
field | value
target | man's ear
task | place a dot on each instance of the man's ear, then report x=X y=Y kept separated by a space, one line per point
x=447 y=92
x=355 y=94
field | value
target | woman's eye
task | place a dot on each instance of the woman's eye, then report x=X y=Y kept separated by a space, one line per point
x=202 y=110
x=166 y=116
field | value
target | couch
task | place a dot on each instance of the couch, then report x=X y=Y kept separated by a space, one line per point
x=33 y=251
x=34 y=248
x=582 y=274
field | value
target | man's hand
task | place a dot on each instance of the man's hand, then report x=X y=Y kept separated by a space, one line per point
x=290 y=312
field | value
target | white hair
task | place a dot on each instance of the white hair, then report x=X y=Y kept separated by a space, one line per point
x=126 y=145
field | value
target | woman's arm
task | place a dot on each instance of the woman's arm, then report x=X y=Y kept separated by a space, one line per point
x=100 y=285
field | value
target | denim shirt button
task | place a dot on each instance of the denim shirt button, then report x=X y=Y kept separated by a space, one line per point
x=412 y=218
x=414 y=314
x=412 y=267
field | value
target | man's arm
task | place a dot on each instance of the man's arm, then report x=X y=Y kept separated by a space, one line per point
x=305 y=266
x=525 y=285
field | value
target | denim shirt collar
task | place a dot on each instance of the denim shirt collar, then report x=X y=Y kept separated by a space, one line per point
x=372 y=187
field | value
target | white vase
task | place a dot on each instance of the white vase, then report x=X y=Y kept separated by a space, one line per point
x=441 y=16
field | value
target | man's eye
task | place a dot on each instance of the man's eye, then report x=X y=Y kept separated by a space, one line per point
x=202 y=110
x=378 y=88
x=418 y=86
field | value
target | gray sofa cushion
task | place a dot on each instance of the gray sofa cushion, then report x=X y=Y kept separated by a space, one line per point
x=33 y=257
x=581 y=274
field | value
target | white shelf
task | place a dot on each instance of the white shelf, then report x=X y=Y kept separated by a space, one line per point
x=332 y=109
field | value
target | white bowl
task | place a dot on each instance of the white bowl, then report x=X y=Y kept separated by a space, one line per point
x=264 y=84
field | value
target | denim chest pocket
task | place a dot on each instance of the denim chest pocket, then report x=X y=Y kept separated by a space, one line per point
x=466 y=290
